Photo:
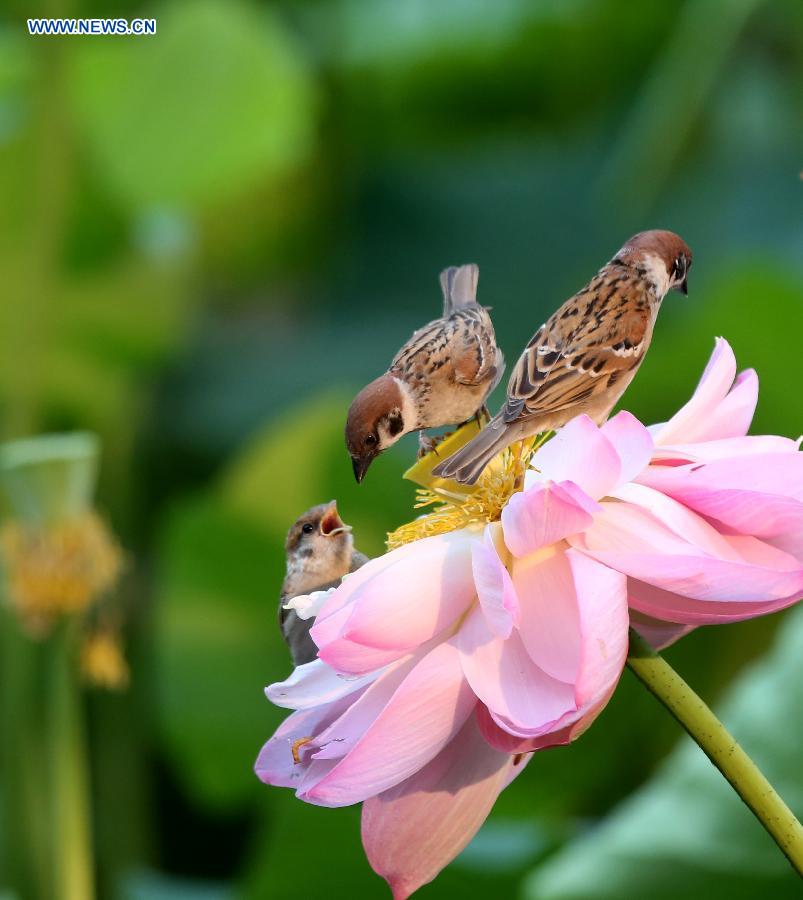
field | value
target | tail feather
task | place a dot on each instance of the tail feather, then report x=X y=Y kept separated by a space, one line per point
x=467 y=464
x=459 y=286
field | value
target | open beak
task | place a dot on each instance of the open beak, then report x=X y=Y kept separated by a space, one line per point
x=360 y=464
x=331 y=523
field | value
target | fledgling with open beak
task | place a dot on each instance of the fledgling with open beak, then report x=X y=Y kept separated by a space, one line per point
x=441 y=376
x=584 y=357
x=320 y=551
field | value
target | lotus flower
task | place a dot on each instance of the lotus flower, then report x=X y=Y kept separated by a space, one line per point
x=446 y=660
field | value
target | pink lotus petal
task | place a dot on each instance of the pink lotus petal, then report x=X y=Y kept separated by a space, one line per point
x=545 y=513
x=568 y=728
x=350 y=658
x=413 y=830
x=426 y=711
x=579 y=452
x=674 y=608
x=495 y=590
x=314 y=684
x=504 y=677
x=275 y=764
x=550 y=620
x=602 y=603
x=708 y=451
x=698 y=420
x=631 y=541
x=343 y=595
x=652 y=511
x=632 y=443
x=657 y=633
x=337 y=739
x=780 y=474
x=414 y=598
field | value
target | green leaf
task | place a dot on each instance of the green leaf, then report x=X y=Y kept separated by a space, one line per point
x=686 y=833
x=218 y=99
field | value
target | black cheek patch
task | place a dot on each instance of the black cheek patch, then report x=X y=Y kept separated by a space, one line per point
x=395 y=425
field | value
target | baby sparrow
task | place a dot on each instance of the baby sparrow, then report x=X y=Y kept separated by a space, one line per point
x=320 y=551
x=584 y=357
x=441 y=376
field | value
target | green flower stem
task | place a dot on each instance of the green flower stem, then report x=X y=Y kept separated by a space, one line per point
x=719 y=746
x=71 y=838
x=25 y=845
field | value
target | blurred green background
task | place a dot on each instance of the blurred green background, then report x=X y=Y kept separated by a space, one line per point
x=210 y=238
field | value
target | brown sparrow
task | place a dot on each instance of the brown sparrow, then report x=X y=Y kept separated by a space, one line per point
x=584 y=357
x=441 y=376
x=320 y=551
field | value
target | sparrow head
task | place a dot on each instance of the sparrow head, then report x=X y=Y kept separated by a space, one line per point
x=319 y=545
x=664 y=257
x=375 y=421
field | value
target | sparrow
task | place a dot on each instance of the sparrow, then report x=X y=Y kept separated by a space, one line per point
x=441 y=376
x=583 y=358
x=320 y=551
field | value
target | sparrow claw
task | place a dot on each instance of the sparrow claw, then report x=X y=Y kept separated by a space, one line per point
x=426 y=445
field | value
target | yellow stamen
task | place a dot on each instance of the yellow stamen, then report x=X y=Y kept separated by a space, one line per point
x=58 y=570
x=297 y=745
x=459 y=506
x=102 y=661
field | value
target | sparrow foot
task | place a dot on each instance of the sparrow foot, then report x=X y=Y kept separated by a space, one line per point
x=426 y=445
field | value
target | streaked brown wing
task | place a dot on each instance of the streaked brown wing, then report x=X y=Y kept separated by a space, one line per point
x=432 y=338
x=478 y=359
x=551 y=376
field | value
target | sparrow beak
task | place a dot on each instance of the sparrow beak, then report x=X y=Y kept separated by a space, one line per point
x=331 y=523
x=360 y=465
x=683 y=287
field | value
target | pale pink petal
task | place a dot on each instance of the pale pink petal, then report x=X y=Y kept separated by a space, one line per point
x=708 y=451
x=314 y=684
x=545 y=513
x=653 y=511
x=706 y=579
x=732 y=417
x=602 y=602
x=343 y=595
x=502 y=674
x=780 y=474
x=421 y=717
x=632 y=442
x=550 y=621
x=413 y=599
x=674 y=608
x=497 y=596
x=656 y=524
x=567 y=729
x=275 y=764
x=579 y=452
x=350 y=658
x=601 y=628
x=342 y=734
x=657 y=633
x=698 y=420
x=413 y=830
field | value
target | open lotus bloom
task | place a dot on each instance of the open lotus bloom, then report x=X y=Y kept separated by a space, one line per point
x=445 y=662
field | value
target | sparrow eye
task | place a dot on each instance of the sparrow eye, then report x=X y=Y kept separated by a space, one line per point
x=679 y=268
x=370 y=440
x=307 y=528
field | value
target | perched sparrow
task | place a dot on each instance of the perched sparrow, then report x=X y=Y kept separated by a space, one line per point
x=584 y=357
x=320 y=551
x=441 y=376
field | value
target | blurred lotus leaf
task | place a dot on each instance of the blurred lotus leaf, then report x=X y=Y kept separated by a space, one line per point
x=218 y=99
x=686 y=833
